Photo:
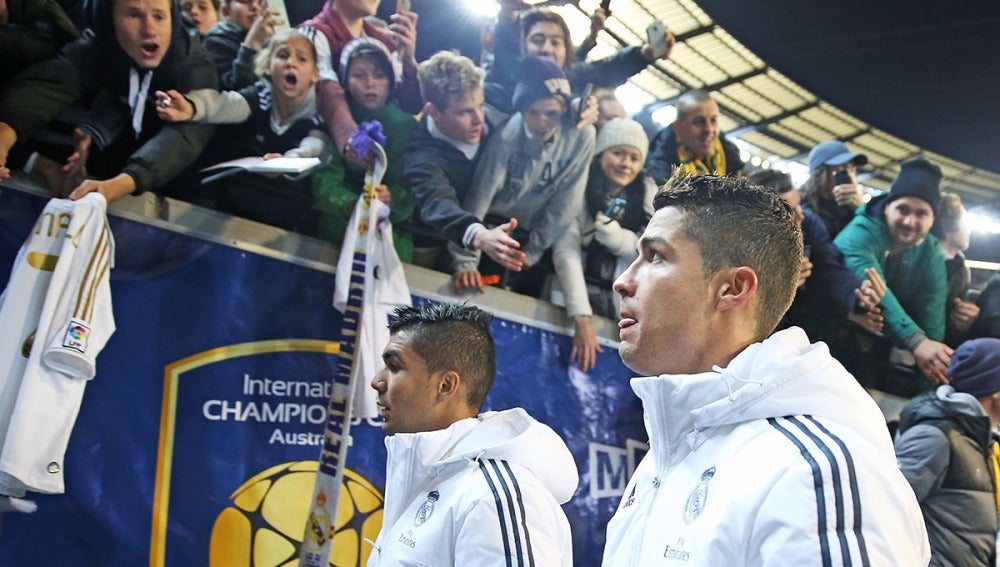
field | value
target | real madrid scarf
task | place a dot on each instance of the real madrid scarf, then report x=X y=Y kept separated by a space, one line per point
x=714 y=164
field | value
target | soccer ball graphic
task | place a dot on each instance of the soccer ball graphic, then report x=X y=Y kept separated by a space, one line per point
x=264 y=525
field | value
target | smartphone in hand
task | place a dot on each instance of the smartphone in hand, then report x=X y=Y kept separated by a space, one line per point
x=581 y=103
x=842 y=178
x=616 y=209
x=656 y=35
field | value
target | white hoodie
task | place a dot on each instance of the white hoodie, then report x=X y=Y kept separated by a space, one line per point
x=779 y=459
x=485 y=491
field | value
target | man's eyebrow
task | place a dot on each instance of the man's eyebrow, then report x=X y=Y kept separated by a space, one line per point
x=391 y=354
x=646 y=241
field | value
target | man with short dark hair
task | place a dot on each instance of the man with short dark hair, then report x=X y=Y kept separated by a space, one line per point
x=892 y=234
x=946 y=451
x=463 y=487
x=763 y=450
x=693 y=142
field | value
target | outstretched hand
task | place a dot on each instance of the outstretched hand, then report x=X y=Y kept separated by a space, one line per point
x=469 y=280
x=262 y=29
x=588 y=114
x=112 y=189
x=172 y=106
x=8 y=137
x=75 y=168
x=872 y=290
x=963 y=315
x=871 y=320
x=933 y=359
x=404 y=35
x=585 y=345
x=649 y=52
x=499 y=245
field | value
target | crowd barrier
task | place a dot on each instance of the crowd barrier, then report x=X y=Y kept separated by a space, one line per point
x=197 y=440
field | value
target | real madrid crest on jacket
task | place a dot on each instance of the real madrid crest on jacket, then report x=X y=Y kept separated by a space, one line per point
x=56 y=316
x=485 y=491
x=779 y=459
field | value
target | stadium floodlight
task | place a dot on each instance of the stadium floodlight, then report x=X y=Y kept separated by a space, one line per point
x=484 y=8
x=982 y=223
x=633 y=98
x=665 y=115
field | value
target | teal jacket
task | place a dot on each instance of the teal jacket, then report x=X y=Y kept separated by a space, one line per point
x=917 y=282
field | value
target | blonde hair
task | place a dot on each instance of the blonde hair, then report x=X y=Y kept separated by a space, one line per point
x=447 y=74
x=263 y=58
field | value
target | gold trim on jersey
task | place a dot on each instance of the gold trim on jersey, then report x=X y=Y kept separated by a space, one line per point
x=171 y=376
x=93 y=276
x=42 y=261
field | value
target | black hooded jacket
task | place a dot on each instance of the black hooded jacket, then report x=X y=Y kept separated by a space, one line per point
x=95 y=67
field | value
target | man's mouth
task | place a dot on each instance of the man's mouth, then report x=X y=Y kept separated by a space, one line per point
x=149 y=49
x=626 y=320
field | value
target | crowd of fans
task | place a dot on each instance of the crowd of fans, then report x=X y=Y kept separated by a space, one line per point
x=498 y=173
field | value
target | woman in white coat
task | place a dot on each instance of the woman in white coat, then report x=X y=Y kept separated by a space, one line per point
x=596 y=249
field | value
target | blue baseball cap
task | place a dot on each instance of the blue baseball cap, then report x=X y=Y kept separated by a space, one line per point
x=834 y=153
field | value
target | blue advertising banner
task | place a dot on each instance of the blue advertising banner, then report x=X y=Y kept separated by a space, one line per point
x=196 y=443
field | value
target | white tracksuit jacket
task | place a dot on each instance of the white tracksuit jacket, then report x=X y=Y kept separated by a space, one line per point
x=485 y=491
x=779 y=459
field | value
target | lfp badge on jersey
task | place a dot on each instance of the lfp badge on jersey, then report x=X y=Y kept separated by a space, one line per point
x=76 y=336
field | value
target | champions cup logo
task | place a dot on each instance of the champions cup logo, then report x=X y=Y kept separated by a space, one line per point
x=263 y=524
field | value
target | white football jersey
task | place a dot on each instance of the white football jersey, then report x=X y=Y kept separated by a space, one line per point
x=56 y=316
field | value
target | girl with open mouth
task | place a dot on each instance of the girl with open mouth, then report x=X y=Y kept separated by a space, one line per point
x=274 y=117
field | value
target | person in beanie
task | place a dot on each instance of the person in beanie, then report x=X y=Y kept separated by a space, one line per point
x=534 y=171
x=366 y=73
x=834 y=202
x=892 y=234
x=618 y=202
x=948 y=453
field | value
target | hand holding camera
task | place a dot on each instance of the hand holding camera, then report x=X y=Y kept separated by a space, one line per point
x=608 y=232
x=845 y=190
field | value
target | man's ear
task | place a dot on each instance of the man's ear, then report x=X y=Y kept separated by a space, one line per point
x=432 y=110
x=735 y=287
x=448 y=385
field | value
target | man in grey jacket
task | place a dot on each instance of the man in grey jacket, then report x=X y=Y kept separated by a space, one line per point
x=947 y=453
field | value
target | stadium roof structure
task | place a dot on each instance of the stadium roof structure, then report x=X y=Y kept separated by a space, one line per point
x=760 y=106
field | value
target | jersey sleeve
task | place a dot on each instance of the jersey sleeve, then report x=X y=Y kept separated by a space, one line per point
x=79 y=311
